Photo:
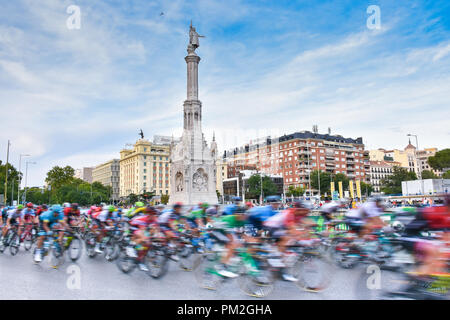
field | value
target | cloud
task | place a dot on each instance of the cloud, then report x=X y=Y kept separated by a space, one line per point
x=77 y=96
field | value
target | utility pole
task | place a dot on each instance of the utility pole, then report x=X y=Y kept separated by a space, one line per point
x=26 y=177
x=6 y=175
x=20 y=176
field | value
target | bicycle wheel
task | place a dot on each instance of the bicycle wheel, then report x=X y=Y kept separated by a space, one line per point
x=75 y=248
x=257 y=285
x=14 y=244
x=125 y=263
x=157 y=262
x=57 y=257
x=344 y=257
x=205 y=274
x=112 y=250
x=90 y=245
x=313 y=273
x=187 y=258
x=28 y=241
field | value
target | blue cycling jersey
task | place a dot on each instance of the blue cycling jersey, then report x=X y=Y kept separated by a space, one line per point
x=262 y=213
x=230 y=209
x=49 y=217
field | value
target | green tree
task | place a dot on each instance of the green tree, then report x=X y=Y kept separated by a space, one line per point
x=295 y=191
x=446 y=175
x=59 y=176
x=393 y=184
x=165 y=199
x=254 y=187
x=13 y=178
x=440 y=160
x=366 y=189
x=325 y=179
x=340 y=177
x=428 y=174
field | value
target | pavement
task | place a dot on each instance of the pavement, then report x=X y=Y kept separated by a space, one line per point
x=98 y=279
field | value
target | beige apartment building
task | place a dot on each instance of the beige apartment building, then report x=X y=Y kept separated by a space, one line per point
x=422 y=158
x=409 y=158
x=145 y=168
x=221 y=174
x=108 y=174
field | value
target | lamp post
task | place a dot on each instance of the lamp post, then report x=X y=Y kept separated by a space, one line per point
x=26 y=177
x=20 y=176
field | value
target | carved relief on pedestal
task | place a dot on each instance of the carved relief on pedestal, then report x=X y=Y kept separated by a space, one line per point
x=179 y=182
x=200 y=180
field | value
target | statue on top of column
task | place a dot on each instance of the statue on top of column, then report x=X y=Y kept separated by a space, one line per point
x=193 y=39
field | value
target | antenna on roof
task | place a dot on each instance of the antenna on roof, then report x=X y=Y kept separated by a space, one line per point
x=329 y=130
x=315 y=128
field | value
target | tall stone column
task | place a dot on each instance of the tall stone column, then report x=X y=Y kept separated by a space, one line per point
x=192 y=106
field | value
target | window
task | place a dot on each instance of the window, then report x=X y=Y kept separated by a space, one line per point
x=313 y=143
x=160 y=158
x=145 y=149
x=342 y=152
x=145 y=157
x=145 y=170
x=313 y=157
x=145 y=177
x=145 y=164
x=322 y=158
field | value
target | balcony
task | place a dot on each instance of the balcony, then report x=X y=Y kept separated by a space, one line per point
x=304 y=152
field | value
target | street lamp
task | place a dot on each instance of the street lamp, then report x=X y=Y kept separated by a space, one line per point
x=20 y=176
x=26 y=176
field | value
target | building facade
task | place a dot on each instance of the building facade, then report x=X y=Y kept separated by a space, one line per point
x=422 y=159
x=294 y=156
x=380 y=170
x=221 y=174
x=145 y=168
x=407 y=157
x=84 y=174
x=108 y=174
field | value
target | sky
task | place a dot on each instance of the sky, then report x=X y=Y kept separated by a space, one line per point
x=78 y=96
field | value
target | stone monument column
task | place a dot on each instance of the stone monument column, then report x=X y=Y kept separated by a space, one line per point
x=193 y=169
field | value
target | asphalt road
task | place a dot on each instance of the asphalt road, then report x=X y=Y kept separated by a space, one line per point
x=20 y=278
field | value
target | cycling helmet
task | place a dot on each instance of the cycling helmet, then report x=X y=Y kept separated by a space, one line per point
x=150 y=210
x=273 y=199
x=75 y=206
x=19 y=207
x=236 y=199
x=204 y=205
x=44 y=207
x=139 y=204
x=66 y=205
x=111 y=208
x=177 y=205
x=93 y=208
x=29 y=205
x=398 y=226
x=56 y=208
